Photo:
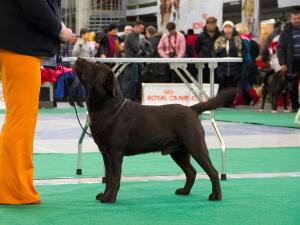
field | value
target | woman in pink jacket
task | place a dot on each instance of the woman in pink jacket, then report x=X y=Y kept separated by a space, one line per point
x=172 y=44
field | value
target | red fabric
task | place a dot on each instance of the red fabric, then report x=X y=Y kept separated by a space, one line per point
x=112 y=46
x=260 y=64
x=246 y=37
x=191 y=41
x=273 y=46
x=51 y=75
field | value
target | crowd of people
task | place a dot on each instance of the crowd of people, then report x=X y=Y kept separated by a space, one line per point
x=280 y=53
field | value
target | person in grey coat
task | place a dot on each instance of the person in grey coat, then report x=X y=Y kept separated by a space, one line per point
x=81 y=49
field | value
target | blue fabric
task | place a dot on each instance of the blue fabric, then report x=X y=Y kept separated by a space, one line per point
x=76 y=91
x=248 y=50
x=59 y=91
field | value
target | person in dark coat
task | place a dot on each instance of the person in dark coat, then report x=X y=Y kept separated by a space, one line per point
x=205 y=43
x=29 y=30
x=109 y=44
x=229 y=44
x=289 y=55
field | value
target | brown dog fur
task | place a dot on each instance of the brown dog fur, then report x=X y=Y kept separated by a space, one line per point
x=121 y=128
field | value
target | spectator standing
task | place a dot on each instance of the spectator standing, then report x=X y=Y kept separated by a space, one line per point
x=191 y=39
x=265 y=53
x=129 y=79
x=229 y=44
x=81 y=49
x=289 y=54
x=172 y=45
x=127 y=30
x=249 y=69
x=109 y=44
x=205 y=44
x=35 y=30
x=155 y=72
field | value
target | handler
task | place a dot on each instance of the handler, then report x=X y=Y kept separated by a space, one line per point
x=28 y=30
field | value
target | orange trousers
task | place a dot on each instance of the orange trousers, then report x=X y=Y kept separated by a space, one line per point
x=21 y=80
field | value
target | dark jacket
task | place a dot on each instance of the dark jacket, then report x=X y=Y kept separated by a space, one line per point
x=205 y=43
x=105 y=48
x=132 y=45
x=236 y=49
x=154 y=40
x=285 y=47
x=30 y=27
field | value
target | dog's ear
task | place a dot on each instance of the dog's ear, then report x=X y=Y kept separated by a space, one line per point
x=111 y=83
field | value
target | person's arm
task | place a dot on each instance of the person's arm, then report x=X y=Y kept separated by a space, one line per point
x=41 y=14
x=77 y=49
x=182 y=46
x=161 y=48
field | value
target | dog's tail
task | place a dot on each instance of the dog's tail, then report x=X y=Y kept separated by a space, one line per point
x=216 y=102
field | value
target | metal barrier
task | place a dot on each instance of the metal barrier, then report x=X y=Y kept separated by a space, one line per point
x=175 y=64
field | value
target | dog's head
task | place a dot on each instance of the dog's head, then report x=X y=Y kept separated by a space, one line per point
x=97 y=78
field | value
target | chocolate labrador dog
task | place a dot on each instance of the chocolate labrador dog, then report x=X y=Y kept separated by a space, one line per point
x=122 y=128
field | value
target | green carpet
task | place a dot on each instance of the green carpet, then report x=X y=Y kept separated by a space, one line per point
x=272 y=201
x=255 y=160
x=229 y=115
x=255 y=117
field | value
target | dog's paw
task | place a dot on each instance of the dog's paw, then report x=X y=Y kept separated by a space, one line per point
x=215 y=197
x=107 y=199
x=182 y=191
x=99 y=196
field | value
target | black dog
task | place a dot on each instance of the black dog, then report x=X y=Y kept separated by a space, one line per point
x=275 y=84
x=122 y=128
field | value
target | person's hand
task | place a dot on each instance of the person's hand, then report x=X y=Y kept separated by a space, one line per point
x=66 y=35
x=283 y=68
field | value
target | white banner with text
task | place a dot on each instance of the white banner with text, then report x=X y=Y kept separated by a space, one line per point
x=171 y=93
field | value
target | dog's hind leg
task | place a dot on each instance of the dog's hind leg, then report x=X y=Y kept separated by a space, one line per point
x=274 y=102
x=114 y=176
x=183 y=161
x=202 y=158
x=285 y=101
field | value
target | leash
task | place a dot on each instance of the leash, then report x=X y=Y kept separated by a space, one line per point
x=59 y=62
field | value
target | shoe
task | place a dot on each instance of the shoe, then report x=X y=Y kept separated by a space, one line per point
x=80 y=104
x=71 y=101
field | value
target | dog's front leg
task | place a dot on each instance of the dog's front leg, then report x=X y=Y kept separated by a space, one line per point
x=107 y=174
x=264 y=96
x=113 y=179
